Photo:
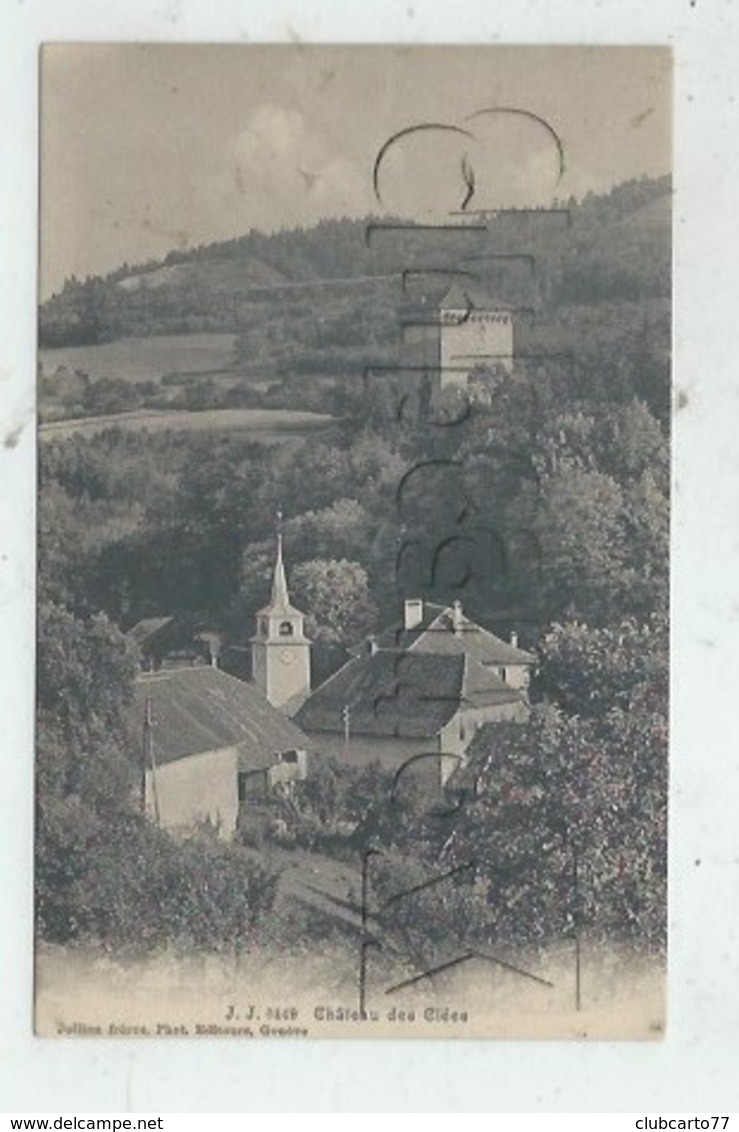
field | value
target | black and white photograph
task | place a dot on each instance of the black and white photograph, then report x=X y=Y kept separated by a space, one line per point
x=354 y=412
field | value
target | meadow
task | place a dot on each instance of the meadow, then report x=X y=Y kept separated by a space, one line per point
x=264 y=424
x=145 y=359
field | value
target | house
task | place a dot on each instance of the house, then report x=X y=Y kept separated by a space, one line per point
x=419 y=691
x=211 y=743
x=451 y=334
x=175 y=641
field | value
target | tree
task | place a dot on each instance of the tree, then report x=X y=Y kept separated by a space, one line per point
x=556 y=824
x=335 y=595
x=85 y=673
x=590 y=671
x=577 y=518
x=342 y=530
x=630 y=441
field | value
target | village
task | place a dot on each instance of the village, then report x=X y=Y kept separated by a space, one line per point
x=216 y=749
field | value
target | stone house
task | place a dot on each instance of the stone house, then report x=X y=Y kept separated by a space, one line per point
x=419 y=691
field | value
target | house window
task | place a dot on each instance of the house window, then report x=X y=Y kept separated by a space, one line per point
x=286 y=629
x=251 y=785
x=503 y=674
x=263 y=626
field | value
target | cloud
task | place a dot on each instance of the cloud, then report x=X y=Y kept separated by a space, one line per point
x=280 y=167
x=274 y=133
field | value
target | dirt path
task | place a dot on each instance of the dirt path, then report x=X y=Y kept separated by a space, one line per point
x=329 y=886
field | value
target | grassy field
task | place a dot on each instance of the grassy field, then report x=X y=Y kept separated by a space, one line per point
x=263 y=424
x=145 y=359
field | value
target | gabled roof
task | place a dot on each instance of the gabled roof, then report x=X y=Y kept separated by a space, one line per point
x=427 y=304
x=194 y=710
x=465 y=297
x=143 y=631
x=436 y=633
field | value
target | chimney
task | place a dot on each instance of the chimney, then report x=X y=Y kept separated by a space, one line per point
x=457 y=616
x=213 y=642
x=413 y=615
x=514 y=638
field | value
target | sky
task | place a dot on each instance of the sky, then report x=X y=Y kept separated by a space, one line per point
x=149 y=148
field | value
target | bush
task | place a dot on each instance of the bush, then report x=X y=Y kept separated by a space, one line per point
x=124 y=883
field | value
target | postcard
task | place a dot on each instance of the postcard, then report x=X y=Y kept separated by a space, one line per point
x=354 y=401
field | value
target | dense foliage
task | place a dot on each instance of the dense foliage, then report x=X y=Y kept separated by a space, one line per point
x=612 y=247
x=555 y=827
x=104 y=873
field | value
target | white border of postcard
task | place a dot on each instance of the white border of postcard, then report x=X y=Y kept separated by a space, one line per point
x=695 y=1066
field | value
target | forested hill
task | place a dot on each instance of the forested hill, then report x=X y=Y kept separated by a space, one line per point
x=611 y=247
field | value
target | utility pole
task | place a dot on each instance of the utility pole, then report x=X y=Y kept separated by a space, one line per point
x=346 y=717
x=576 y=916
x=148 y=763
x=145 y=753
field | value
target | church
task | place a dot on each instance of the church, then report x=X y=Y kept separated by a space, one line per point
x=213 y=745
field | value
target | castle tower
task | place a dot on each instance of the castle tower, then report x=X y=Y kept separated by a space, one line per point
x=280 y=650
x=452 y=335
x=473 y=331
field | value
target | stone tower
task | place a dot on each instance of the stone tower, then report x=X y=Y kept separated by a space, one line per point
x=452 y=335
x=280 y=649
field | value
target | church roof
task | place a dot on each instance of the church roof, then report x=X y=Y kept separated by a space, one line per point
x=279 y=601
x=194 y=710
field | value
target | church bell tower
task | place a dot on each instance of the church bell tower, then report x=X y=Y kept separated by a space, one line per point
x=280 y=649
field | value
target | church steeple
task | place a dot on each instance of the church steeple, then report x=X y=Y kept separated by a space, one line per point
x=280 y=596
x=279 y=581
x=280 y=649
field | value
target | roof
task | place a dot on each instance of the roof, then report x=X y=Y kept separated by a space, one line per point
x=436 y=633
x=412 y=699
x=279 y=602
x=409 y=695
x=461 y=297
x=194 y=710
x=147 y=628
x=441 y=297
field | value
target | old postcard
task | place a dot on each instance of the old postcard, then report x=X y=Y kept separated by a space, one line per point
x=354 y=471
